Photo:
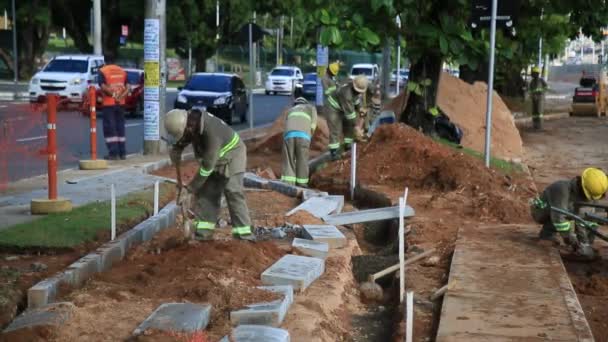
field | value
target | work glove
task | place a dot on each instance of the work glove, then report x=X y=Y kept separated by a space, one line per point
x=592 y=225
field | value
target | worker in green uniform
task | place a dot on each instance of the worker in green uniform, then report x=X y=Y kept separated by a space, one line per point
x=329 y=81
x=222 y=157
x=341 y=109
x=565 y=194
x=537 y=89
x=300 y=125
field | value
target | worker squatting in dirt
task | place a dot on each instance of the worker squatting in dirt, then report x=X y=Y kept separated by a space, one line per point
x=223 y=159
x=569 y=196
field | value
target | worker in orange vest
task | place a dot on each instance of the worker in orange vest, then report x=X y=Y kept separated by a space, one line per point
x=113 y=84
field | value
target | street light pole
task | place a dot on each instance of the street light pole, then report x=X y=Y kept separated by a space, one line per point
x=490 y=83
x=398 y=76
x=97 y=37
x=15 y=56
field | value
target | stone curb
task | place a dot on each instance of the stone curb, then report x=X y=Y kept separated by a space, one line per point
x=11 y=95
x=102 y=259
x=522 y=122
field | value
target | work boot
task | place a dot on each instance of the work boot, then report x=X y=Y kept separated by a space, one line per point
x=204 y=234
x=110 y=157
x=246 y=237
x=537 y=124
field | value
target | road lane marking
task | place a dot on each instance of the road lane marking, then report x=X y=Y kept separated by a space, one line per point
x=32 y=138
x=134 y=124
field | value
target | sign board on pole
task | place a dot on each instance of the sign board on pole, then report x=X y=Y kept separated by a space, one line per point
x=151 y=79
x=322 y=63
x=481 y=13
x=124 y=30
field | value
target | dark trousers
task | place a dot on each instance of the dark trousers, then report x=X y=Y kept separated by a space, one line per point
x=114 y=130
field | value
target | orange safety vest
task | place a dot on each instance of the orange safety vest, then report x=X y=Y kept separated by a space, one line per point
x=115 y=77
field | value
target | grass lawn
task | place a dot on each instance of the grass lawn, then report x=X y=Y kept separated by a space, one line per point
x=495 y=163
x=85 y=224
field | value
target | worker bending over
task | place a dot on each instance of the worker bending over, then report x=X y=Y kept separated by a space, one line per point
x=300 y=125
x=565 y=194
x=223 y=158
x=341 y=111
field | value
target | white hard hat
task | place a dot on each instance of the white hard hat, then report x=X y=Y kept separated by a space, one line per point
x=360 y=83
x=175 y=122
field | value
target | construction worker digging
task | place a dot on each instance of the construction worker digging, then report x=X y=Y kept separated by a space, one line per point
x=537 y=89
x=223 y=158
x=300 y=125
x=341 y=111
x=590 y=186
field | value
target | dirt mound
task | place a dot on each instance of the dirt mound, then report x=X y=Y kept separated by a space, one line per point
x=273 y=140
x=465 y=104
x=400 y=156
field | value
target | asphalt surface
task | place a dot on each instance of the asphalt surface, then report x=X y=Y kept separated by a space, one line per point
x=23 y=135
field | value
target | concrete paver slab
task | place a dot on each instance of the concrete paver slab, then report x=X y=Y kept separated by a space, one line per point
x=320 y=206
x=297 y=271
x=177 y=317
x=269 y=313
x=257 y=333
x=379 y=214
x=325 y=233
x=48 y=315
x=311 y=248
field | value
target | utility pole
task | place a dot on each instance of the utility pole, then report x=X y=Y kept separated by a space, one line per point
x=217 y=35
x=5 y=20
x=398 y=19
x=490 y=83
x=155 y=75
x=251 y=75
x=291 y=33
x=254 y=45
x=15 y=55
x=97 y=36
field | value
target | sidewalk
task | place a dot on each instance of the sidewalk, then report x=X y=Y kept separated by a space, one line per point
x=507 y=287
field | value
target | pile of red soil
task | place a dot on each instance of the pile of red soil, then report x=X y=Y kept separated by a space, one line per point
x=399 y=156
x=273 y=141
x=465 y=105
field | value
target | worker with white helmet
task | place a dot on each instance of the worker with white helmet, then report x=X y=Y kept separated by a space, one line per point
x=223 y=158
x=568 y=195
x=300 y=125
x=341 y=113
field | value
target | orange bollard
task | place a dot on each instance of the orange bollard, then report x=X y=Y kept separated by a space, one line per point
x=93 y=163
x=52 y=204
x=93 y=117
x=51 y=133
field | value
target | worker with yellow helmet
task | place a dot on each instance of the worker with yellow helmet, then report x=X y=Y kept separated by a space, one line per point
x=567 y=195
x=537 y=88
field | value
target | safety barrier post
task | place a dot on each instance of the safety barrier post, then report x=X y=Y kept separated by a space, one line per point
x=52 y=204
x=93 y=163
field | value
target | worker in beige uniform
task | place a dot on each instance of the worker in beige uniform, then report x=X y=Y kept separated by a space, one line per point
x=341 y=114
x=300 y=126
x=329 y=81
x=222 y=157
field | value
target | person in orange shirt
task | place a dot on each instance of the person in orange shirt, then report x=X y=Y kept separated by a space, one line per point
x=113 y=84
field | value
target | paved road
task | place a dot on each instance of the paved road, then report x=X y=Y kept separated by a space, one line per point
x=23 y=135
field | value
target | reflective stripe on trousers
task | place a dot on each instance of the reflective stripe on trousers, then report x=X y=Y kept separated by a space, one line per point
x=245 y=230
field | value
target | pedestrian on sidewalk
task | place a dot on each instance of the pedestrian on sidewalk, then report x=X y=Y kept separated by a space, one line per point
x=566 y=195
x=341 y=111
x=113 y=84
x=222 y=157
x=537 y=89
x=300 y=126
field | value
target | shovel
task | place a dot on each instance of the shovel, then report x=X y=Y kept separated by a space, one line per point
x=583 y=223
x=183 y=209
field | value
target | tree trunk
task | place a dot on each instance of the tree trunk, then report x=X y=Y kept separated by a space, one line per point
x=32 y=36
x=74 y=21
x=111 y=29
x=200 y=55
x=417 y=109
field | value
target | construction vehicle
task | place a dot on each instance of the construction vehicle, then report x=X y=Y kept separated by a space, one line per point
x=590 y=98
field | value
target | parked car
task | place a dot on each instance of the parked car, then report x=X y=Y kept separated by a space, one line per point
x=223 y=95
x=404 y=75
x=69 y=76
x=284 y=79
x=369 y=70
x=309 y=85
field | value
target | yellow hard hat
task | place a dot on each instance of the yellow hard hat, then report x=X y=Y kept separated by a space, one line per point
x=536 y=70
x=175 y=122
x=594 y=182
x=360 y=83
x=334 y=68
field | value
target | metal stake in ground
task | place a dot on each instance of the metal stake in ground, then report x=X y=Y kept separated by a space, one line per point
x=409 y=312
x=490 y=83
x=93 y=163
x=353 y=170
x=53 y=204
x=401 y=249
x=113 y=210
x=156 y=190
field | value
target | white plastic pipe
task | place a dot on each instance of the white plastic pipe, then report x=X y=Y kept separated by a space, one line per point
x=113 y=210
x=155 y=197
x=353 y=171
x=409 y=323
x=401 y=249
x=405 y=193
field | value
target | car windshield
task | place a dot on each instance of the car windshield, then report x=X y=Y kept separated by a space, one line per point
x=310 y=77
x=67 y=65
x=133 y=77
x=282 y=72
x=218 y=84
x=361 y=71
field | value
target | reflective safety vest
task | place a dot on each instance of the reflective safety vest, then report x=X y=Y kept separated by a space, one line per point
x=115 y=77
x=301 y=122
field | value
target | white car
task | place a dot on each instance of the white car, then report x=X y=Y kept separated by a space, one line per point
x=369 y=70
x=68 y=76
x=284 y=79
x=403 y=76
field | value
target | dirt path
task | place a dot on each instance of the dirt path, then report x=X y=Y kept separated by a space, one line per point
x=562 y=151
